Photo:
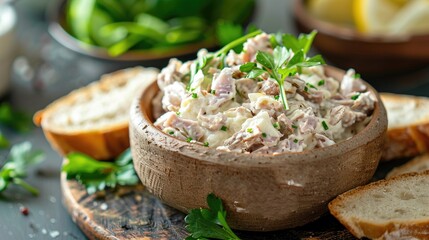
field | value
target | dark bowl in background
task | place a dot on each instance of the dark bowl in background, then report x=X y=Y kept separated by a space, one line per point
x=372 y=56
x=147 y=58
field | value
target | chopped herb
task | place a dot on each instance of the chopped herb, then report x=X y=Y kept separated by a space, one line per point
x=247 y=67
x=321 y=82
x=224 y=128
x=264 y=135
x=249 y=130
x=189 y=139
x=171 y=132
x=213 y=91
x=357 y=75
x=21 y=156
x=295 y=140
x=276 y=97
x=206 y=144
x=194 y=95
x=354 y=97
x=325 y=126
x=178 y=113
x=96 y=175
x=294 y=126
x=306 y=88
x=209 y=223
x=311 y=85
x=276 y=125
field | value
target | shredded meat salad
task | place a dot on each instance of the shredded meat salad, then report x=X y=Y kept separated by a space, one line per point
x=221 y=100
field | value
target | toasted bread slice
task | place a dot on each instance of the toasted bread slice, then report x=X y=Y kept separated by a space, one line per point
x=408 y=129
x=388 y=209
x=417 y=164
x=94 y=119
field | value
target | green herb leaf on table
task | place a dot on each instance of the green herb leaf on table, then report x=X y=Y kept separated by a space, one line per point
x=97 y=175
x=16 y=120
x=209 y=223
x=21 y=156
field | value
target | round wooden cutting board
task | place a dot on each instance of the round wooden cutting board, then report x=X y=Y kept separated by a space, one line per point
x=133 y=213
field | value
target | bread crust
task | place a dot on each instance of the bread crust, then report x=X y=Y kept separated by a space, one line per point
x=393 y=229
x=99 y=142
x=408 y=167
x=406 y=140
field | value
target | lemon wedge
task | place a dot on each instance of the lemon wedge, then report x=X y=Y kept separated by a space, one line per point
x=337 y=11
x=375 y=16
x=391 y=17
x=413 y=18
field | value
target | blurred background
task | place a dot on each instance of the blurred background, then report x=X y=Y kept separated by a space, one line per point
x=50 y=47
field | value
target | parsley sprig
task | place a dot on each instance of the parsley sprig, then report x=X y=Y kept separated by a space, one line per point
x=96 y=175
x=209 y=223
x=21 y=157
x=282 y=63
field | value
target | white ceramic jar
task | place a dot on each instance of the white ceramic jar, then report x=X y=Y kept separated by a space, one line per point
x=7 y=45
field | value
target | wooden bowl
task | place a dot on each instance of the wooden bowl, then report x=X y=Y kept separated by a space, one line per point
x=372 y=56
x=261 y=192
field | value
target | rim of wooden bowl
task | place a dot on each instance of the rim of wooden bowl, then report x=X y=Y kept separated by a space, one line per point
x=142 y=120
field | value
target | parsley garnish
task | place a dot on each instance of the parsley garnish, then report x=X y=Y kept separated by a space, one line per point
x=321 y=82
x=189 y=139
x=194 y=95
x=295 y=140
x=264 y=135
x=249 y=130
x=209 y=223
x=21 y=156
x=178 y=113
x=357 y=75
x=354 y=97
x=16 y=120
x=206 y=144
x=96 y=175
x=224 y=128
x=276 y=125
x=311 y=85
x=325 y=126
x=294 y=126
x=276 y=97
x=171 y=132
x=213 y=91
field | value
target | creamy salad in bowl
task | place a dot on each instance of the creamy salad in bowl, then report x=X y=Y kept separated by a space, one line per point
x=260 y=94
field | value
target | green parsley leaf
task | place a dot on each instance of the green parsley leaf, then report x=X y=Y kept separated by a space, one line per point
x=247 y=67
x=213 y=91
x=97 y=175
x=224 y=128
x=276 y=97
x=255 y=73
x=265 y=59
x=206 y=144
x=264 y=135
x=16 y=120
x=194 y=95
x=294 y=126
x=20 y=158
x=321 y=82
x=303 y=42
x=357 y=75
x=209 y=223
x=295 y=140
x=189 y=139
x=249 y=130
x=354 y=97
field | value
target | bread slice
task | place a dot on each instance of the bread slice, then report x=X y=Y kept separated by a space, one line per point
x=417 y=164
x=408 y=129
x=397 y=208
x=94 y=119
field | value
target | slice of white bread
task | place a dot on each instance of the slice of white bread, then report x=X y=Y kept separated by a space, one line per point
x=94 y=119
x=417 y=164
x=397 y=208
x=408 y=129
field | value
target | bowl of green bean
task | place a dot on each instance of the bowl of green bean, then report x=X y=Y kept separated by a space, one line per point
x=147 y=31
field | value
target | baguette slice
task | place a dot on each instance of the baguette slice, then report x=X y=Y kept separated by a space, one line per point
x=397 y=208
x=408 y=129
x=94 y=119
x=417 y=164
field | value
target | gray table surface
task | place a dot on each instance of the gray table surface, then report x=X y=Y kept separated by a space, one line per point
x=51 y=72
